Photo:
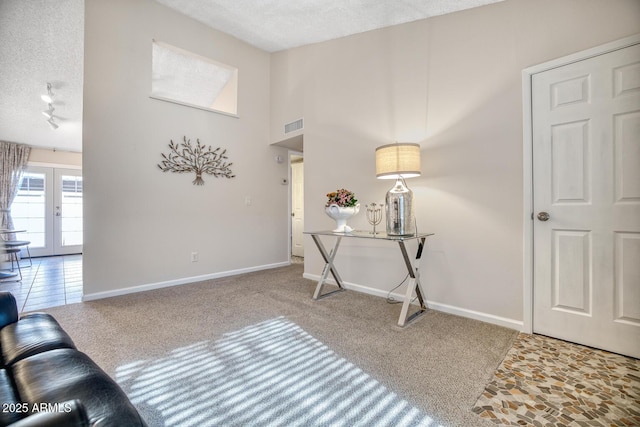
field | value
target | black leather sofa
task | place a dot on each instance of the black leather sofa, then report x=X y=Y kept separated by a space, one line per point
x=46 y=381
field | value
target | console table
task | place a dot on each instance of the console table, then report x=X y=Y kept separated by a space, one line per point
x=412 y=267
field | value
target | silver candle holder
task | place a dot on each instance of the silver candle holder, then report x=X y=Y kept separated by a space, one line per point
x=374 y=215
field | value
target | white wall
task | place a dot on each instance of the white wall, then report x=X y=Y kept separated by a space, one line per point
x=142 y=224
x=453 y=84
x=55 y=158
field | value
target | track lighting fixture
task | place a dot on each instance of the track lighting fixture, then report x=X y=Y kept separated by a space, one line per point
x=48 y=98
x=48 y=113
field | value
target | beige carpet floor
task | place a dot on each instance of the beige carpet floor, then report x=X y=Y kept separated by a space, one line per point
x=256 y=350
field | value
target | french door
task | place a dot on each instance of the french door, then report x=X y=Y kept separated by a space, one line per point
x=586 y=196
x=49 y=207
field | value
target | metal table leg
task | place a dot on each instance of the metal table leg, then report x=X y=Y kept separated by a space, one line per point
x=414 y=285
x=329 y=267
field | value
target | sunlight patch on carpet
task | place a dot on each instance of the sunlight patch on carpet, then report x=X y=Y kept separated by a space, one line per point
x=269 y=374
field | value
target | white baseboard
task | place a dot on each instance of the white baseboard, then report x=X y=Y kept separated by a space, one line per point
x=182 y=281
x=463 y=312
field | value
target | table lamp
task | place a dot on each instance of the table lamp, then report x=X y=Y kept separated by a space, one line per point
x=399 y=161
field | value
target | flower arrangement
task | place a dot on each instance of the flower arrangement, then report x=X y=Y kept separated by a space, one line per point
x=343 y=198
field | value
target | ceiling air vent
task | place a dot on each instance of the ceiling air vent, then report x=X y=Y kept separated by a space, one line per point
x=294 y=126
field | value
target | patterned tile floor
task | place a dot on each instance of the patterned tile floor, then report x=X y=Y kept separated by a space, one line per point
x=547 y=382
x=50 y=282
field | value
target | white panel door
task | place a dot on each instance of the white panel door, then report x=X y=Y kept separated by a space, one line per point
x=297 y=209
x=586 y=197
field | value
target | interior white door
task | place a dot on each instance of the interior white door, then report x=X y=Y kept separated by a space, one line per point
x=297 y=209
x=586 y=198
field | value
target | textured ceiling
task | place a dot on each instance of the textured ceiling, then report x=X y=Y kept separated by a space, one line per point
x=274 y=25
x=43 y=41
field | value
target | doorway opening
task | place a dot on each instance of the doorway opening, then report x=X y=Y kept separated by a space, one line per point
x=295 y=162
x=296 y=192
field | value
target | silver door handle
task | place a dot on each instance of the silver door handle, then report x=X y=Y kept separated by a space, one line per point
x=543 y=216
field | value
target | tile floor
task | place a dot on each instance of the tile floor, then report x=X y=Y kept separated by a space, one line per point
x=543 y=381
x=50 y=282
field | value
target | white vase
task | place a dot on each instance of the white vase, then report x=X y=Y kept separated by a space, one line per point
x=341 y=215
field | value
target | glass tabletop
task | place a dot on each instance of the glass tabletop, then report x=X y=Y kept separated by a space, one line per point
x=364 y=234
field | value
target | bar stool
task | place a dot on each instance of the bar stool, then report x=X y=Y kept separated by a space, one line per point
x=18 y=244
x=13 y=255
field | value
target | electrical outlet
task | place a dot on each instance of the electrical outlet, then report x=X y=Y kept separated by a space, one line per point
x=247 y=200
x=194 y=257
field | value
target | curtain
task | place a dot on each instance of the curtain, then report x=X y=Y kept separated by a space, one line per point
x=13 y=160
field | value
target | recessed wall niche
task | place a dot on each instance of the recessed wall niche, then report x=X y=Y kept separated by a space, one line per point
x=186 y=78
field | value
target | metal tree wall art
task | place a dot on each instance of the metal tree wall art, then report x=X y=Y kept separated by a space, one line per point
x=200 y=159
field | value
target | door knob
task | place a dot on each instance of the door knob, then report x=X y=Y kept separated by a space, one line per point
x=543 y=216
